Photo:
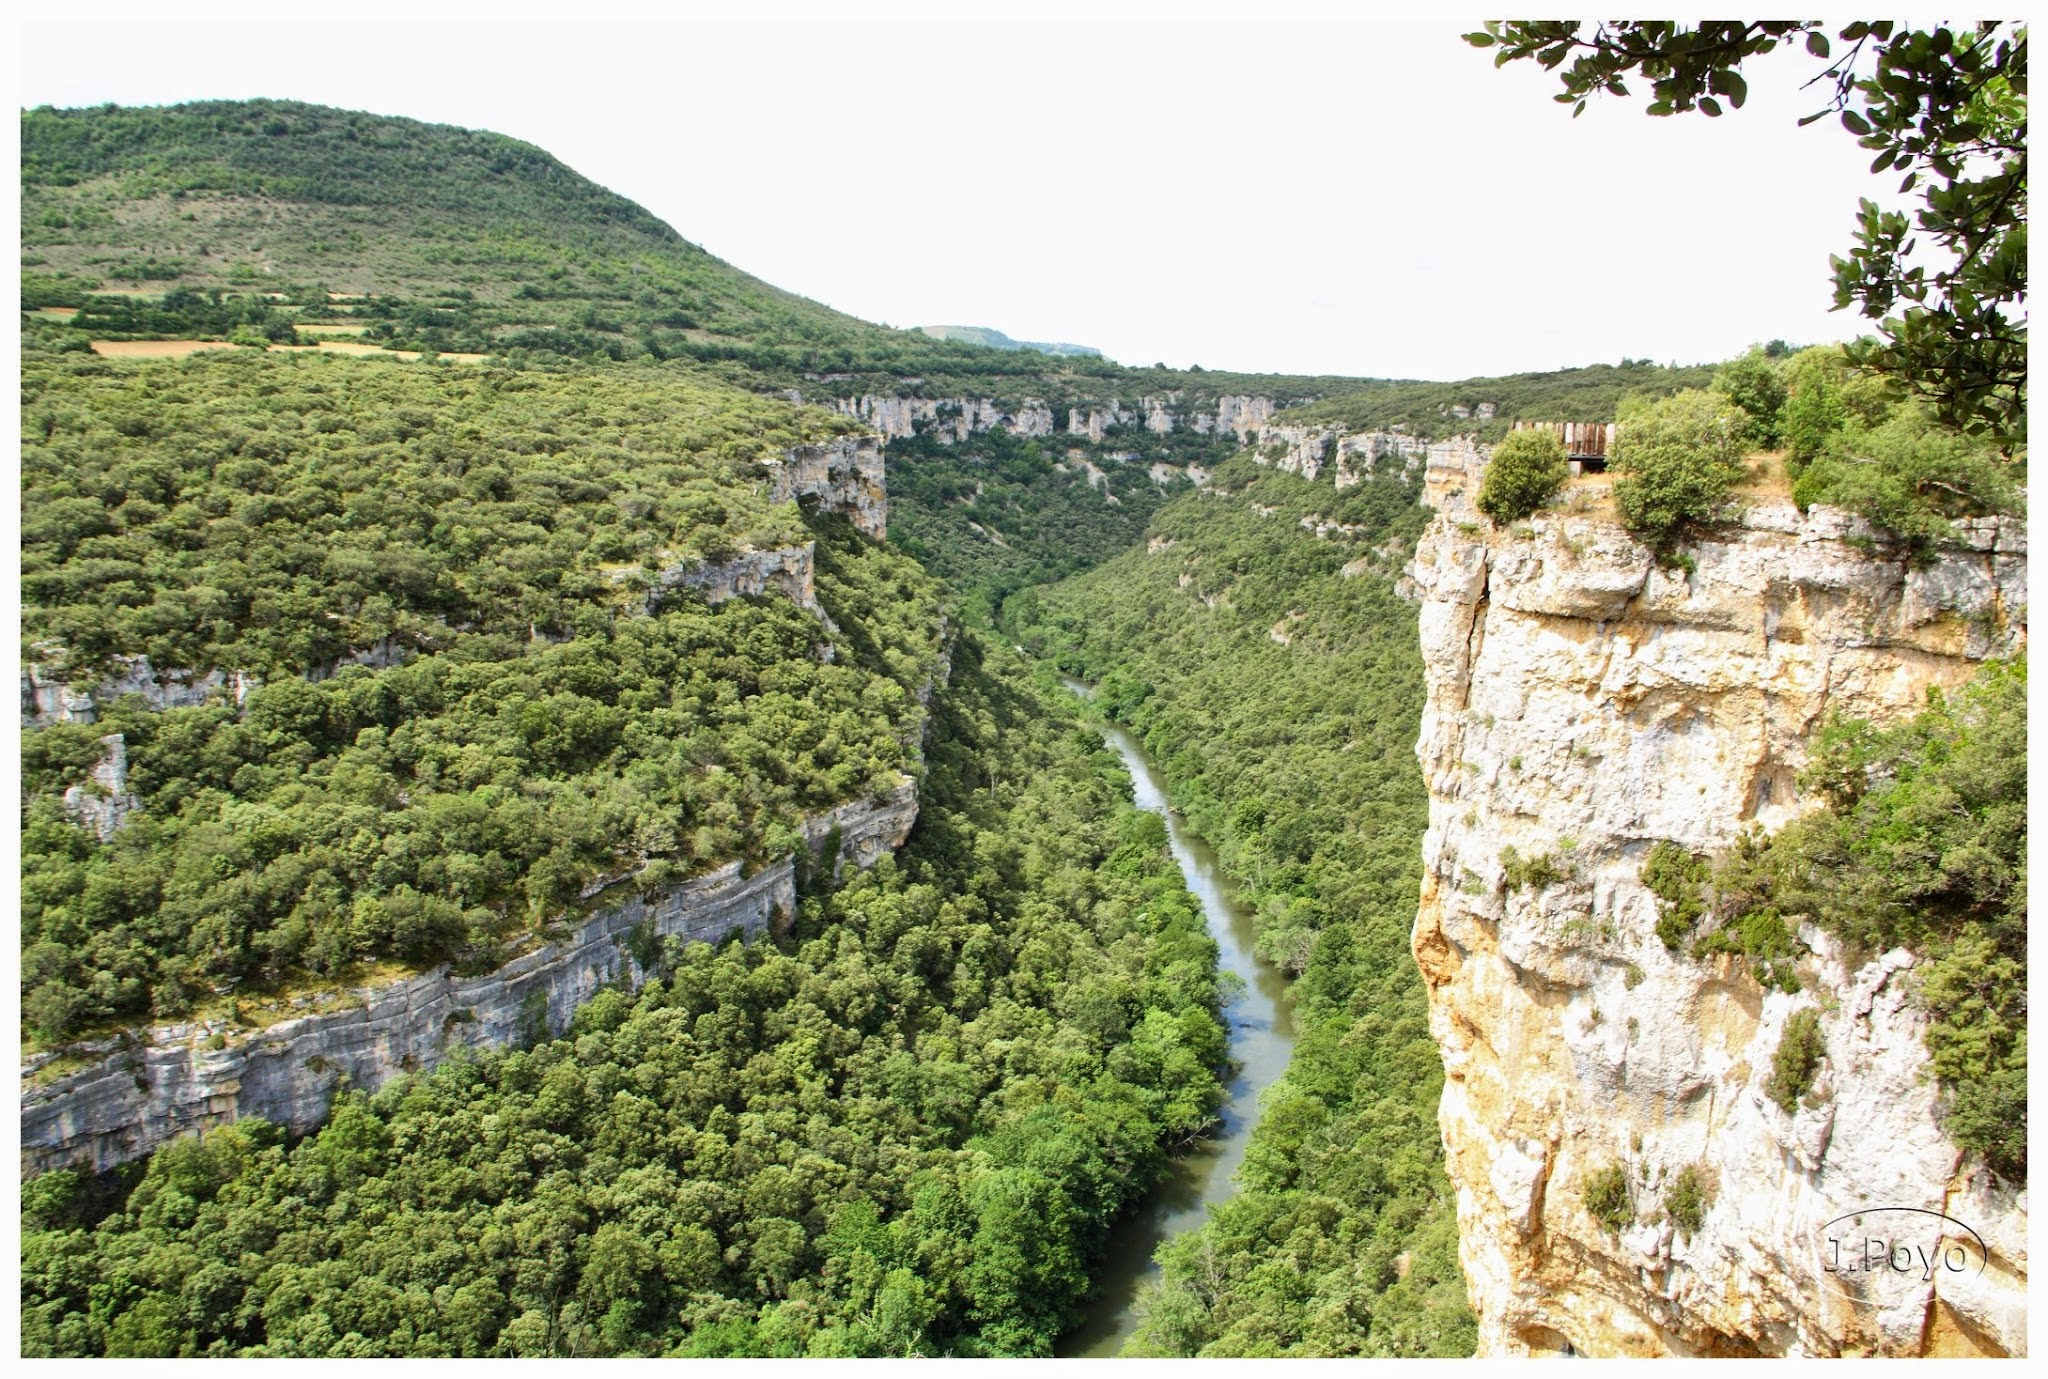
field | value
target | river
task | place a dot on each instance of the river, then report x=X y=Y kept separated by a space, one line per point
x=1261 y=1039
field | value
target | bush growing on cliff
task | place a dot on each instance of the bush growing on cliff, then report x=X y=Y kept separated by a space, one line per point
x=1675 y=461
x=1534 y=872
x=1910 y=477
x=1526 y=471
x=1686 y=1201
x=1608 y=1200
x=1800 y=1049
x=1675 y=876
x=1921 y=844
x=1824 y=392
x=1755 y=382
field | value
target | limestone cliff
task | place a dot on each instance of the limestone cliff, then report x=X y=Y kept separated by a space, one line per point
x=789 y=569
x=844 y=475
x=1352 y=457
x=146 y=1088
x=956 y=419
x=1582 y=705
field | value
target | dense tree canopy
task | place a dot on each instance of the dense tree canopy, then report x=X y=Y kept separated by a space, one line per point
x=905 y=1130
x=496 y=532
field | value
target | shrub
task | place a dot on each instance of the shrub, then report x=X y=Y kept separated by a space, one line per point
x=1607 y=1198
x=1527 y=469
x=1978 y=1039
x=1823 y=393
x=1675 y=876
x=1799 y=1053
x=1909 y=477
x=1686 y=1201
x=1676 y=459
x=1542 y=870
x=1756 y=384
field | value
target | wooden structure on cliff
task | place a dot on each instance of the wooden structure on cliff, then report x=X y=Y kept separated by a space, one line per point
x=1586 y=443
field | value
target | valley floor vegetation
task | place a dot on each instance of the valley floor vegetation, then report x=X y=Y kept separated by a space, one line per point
x=1296 y=759
x=903 y=1130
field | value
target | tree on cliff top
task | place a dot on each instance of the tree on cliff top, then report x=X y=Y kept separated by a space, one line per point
x=1945 y=106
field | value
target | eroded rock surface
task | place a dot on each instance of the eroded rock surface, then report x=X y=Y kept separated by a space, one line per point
x=844 y=475
x=1582 y=705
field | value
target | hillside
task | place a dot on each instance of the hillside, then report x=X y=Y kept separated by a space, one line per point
x=989 y=338
x=432 y=236
x=395 y=661
x=479 y=234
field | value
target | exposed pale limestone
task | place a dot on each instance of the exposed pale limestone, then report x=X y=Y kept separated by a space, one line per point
x=175 y=1079
x=1584 y=704
x=46 y=699
x=1094 y=422
x=845 y=475
x=790 y=569
x=1238 y=414
x=104 y=805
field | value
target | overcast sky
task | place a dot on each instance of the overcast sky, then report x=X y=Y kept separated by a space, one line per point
x=1266 y=186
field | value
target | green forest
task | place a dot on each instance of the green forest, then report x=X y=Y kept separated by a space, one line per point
x=465 y=695
x=500 y=528
x=1296 y=760
x=903 y=1130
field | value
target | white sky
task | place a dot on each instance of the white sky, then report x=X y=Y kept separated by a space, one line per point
x=1266 y=185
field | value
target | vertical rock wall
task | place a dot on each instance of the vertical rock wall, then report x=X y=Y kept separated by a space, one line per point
x=1582 y=705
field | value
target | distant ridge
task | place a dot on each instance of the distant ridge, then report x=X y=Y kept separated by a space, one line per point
x=996 y=340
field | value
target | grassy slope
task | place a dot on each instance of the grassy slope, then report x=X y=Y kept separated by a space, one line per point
x=471 y=239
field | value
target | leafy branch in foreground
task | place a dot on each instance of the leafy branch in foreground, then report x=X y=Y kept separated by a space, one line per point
x=1945 y=106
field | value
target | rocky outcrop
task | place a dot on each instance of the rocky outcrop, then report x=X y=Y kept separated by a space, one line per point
x=956 y=419
x=104 y=805
x=176 y=1079
x=844 y=475
x=789 y=569
x=1584 y=704
x=1356 y=456
x=47 y=699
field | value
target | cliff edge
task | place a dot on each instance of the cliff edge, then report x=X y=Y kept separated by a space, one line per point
x=1584 y=704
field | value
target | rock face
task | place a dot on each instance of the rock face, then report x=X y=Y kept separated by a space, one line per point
x=1308 y=450
x=45 y=700
x=790 y=569
x=844 y=475
x=175 y=1079
x=1582 y=705
x=105 y=805
x=956 y=419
